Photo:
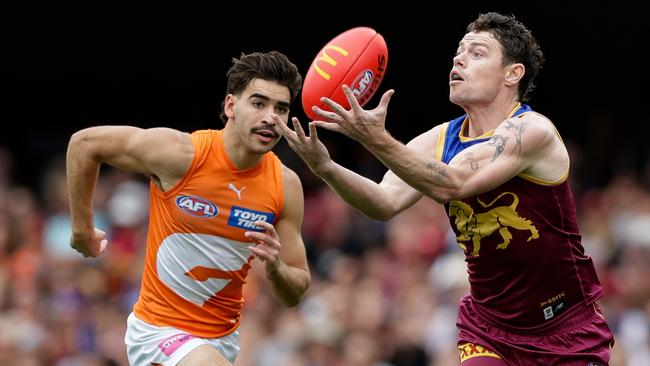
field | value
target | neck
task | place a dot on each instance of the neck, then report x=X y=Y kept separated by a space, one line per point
x=237 y=151
x=484 y=119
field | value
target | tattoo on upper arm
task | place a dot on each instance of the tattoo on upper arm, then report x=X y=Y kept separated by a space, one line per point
x=473 y=163
x=518 y=130
x=499 y=143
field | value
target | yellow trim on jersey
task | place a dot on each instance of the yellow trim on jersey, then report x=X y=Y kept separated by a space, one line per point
x=514 y=110
x=470 y=350
x=487 y=134
x=441 y=141
x=544 y=182
x=467 y=139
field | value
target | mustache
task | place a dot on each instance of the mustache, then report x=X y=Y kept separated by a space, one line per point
x=274 y=130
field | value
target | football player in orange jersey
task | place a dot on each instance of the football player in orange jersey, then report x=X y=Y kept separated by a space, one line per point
x=218 y=199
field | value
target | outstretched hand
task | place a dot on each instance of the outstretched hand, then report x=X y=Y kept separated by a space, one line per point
x=356 y=123
x=309 y=148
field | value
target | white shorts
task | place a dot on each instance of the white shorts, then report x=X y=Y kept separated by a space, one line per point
x=147 y=344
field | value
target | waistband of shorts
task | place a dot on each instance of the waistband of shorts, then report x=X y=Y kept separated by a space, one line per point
x=574 y=317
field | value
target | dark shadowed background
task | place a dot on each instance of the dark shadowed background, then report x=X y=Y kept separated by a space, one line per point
x=383 y=292
x=76 y=65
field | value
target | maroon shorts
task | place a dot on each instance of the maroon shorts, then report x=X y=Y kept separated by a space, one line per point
x=582 y=338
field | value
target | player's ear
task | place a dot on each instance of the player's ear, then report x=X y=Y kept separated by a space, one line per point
x=514 y=73
x=229 y=106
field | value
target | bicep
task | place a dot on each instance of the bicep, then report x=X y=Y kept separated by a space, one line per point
x=289 y=224
x=147 y=151
x=506 y=154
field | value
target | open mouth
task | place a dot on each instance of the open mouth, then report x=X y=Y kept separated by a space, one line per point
x=455 y=77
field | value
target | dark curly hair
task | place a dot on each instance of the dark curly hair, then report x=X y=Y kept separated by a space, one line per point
x=271 y=66
x=519 y=46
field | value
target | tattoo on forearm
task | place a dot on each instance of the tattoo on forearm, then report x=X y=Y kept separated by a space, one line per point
x=518 y=130
x=436 y=168
x=499 y=143
x=473 y=163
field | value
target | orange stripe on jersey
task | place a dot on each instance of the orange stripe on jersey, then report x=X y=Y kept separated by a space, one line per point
x=197 y=256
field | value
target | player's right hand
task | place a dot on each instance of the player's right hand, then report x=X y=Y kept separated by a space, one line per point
x=91 y=246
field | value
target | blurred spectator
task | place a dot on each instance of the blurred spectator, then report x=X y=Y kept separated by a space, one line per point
x=383 y=294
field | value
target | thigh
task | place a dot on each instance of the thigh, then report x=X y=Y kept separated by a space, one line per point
x=204 y=355
x=483 y=361
x=472 y=354
x=147 y=344
x=583 y=338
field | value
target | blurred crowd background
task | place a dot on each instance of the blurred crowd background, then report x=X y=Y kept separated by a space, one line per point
x=382 y=293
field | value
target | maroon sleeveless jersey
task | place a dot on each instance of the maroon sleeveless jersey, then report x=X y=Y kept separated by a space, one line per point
x=521 y=240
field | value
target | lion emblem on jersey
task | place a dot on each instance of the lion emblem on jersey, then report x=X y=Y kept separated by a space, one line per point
x=476 y=226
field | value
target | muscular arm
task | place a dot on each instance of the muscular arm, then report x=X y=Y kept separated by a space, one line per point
x=378 y=201
x=288 y=274
x=517 y=146
x=123 y=147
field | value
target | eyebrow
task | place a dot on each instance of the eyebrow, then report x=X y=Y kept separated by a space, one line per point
x=262 y=96
x=474 y=43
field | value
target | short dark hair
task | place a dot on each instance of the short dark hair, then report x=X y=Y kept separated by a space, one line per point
x=271 y=66
x=519 y=46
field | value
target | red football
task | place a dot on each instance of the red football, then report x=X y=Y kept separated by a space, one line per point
x=357 y=58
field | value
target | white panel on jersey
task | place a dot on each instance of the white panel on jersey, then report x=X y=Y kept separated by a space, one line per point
x=180 y=253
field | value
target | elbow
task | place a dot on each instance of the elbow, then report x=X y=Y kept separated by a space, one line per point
x=292 y=303
x=455 y=189
x=294 y=299
x=382 y=212
x=83 y=135
x=443 y=197
x=446 y=197
x=382 y=215
x=80 y=140
x=77 y=138
x=86 y=143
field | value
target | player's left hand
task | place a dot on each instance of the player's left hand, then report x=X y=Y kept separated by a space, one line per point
x=310 y=149
x=266 y=245
x=364 y=126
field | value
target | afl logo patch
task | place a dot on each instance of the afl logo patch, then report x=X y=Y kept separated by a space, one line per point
x=361 y=85
x=196 y=206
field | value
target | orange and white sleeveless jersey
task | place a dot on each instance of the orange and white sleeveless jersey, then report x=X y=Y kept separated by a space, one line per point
x=197 y=256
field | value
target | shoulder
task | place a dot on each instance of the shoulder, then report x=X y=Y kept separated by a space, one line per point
x=168 y=137
x=291 y=179
x=531 y=126
x=542 y=145
x=169 y=151
x=178 y=142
